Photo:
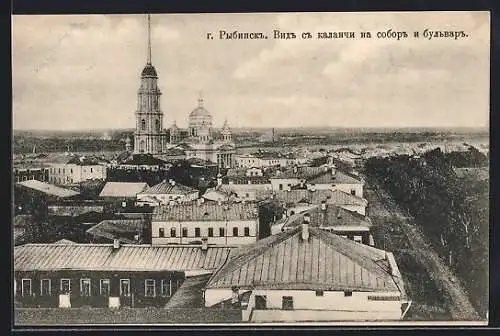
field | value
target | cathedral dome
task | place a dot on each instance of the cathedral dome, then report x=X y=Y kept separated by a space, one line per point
x=149 y=71
x=199 y=111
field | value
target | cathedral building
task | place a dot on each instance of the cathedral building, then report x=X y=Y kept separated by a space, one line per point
x=199 y=140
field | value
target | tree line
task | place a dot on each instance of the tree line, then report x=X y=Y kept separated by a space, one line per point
x=452 y=212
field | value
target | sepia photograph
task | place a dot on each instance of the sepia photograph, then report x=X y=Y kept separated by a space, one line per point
x=322 y=168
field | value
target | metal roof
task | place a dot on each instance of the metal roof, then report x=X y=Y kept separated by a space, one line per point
x=324 y=261
x=333 y=216
x=122 y=189
x=53 y=257
x=165 y=187
x=121 y=229
x=205 y=212
x=48 y=189
x=295 y=196
x=337 y=178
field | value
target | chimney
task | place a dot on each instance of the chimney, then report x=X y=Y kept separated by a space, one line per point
x=234 y=296
x=333 y=170
x=323 y=205
x=219 y=181
x=116 y=244
x=204 y=244
x=171 y=181
x=305 y=227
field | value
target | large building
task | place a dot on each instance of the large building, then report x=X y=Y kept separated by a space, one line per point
x=198 y=141
x=308 y=274
x=235 y=224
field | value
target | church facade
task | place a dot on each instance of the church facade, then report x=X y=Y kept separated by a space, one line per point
x=199 y=140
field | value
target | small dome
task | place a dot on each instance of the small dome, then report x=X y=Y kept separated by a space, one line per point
x=149 y=71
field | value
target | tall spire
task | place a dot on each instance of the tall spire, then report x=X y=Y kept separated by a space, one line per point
x=149 y=39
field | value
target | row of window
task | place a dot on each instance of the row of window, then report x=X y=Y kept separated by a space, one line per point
x=287 y=301
x=53 y=170
x=104 y=287
x=197 y=232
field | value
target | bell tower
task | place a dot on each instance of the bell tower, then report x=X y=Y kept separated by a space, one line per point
x=148 y=136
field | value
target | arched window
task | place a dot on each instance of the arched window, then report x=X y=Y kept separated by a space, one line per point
x=143 y=124
x=142 y=146
x=157 y=124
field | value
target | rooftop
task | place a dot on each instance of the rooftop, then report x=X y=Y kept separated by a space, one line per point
x=122 y=189
x=53 y=257
x=338 y=178
x=190 y=293
x=122 y=229
x=324 y=261
x=165 y=187
x=333 y=216
x=298 y=172
x=205 y=212
x=73 y=210
x=305 y=196
x=48 y=189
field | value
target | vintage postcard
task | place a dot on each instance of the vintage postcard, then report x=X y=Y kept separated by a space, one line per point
x=251 y=169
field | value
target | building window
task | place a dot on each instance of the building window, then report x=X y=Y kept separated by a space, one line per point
x=319 y=293
x=235 y=232
x=26 y=287
x=149 y=288
x=281 y=186
x=71 y=170
x=45 y=287
x=184 y=232
x=85 y=287
x=91 y=170
x=222 y=232
x=172 y=232
x=65 y=286
x=247 y=232
x=197 y=232
x=104 y=287
x=348 y=293
x=210 y=232
x=287 y=302
x=383 y=298
x=125 y=287
x=353 y=192
x=166 y=287
x=260 y=302
x=358 y=239
x=143 y=124
x=161 y=232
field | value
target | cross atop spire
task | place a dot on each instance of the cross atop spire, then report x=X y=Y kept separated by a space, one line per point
x=149 y=39
x=200 y=99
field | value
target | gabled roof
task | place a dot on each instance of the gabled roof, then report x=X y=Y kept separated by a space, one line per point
x=52 y=257
x=339 y=178
x=205 y=212
x=174 y=152
x=324 y=261
x=165 y=187
x=304 y=172
x=122 y=229
x=333 y=216
x=296 y=196
x=48 y=189
x=122 y=189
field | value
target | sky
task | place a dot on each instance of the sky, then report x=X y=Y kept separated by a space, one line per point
x=77 y=72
